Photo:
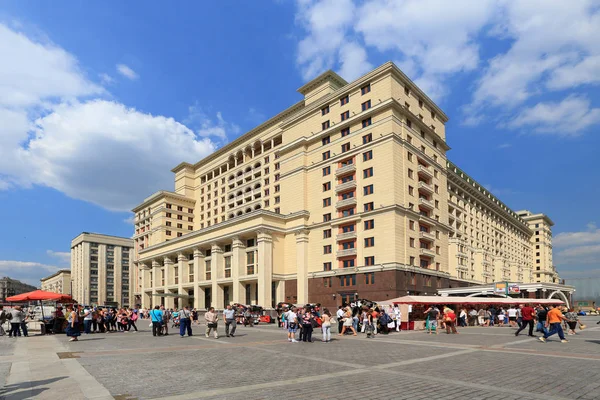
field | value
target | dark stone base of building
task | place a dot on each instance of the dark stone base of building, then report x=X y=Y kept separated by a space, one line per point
x=386 y=285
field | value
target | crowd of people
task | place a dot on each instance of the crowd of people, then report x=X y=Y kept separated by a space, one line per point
x=18 y=320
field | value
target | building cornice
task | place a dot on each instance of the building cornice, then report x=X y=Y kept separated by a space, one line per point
x=57 y=273
x=162 y=194
x=327 y=76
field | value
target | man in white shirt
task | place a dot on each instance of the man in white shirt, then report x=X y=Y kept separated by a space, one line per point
x=512 y=316
x=88 y=315
x=398 y=318
x=340 y=316
x=292 y=319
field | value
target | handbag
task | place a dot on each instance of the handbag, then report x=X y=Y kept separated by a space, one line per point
x=212 y=325
x=582 y=326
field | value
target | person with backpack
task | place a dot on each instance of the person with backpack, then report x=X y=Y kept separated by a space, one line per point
x=432 y=316
x=384 y=320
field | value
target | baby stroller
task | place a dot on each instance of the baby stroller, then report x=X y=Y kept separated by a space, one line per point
x=369 y=330
x=175 y=323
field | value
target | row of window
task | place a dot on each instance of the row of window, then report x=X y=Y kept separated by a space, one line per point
x=179 y=208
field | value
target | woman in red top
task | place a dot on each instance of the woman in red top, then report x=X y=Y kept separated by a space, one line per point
x=450 y=320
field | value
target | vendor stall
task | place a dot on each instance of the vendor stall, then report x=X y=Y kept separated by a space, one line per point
x=39 y=295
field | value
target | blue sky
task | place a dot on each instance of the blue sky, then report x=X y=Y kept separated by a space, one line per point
x=89 y=90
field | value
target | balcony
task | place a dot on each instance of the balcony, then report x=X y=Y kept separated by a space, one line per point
x=346 y=252
x=425 y=187
x=346 y=202
x=257 y=191
x=425 y=171
x=426 y=203
x=462 y=254
x=427 y=252
x=345 y=186
x=346 y=235
x=248 y=174
x=345 y=169
x=427 y=236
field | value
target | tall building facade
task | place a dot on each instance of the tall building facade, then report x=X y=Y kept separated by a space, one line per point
x=100 y=266
x=58 y=282
x=344 y=195
x=543 y=269
x=12 y=287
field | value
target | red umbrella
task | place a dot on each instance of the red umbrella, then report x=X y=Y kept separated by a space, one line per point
x=40 y=295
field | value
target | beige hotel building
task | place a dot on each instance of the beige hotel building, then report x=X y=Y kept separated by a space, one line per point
x=100 y=266
x=346 y=194
x=58 y=282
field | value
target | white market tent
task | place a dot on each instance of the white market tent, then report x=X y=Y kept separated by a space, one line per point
x=466 y=300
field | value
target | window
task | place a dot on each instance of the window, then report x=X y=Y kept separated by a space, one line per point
x=410 y=173
x=348 y=263
x=276 y=188
x=327 y=282
x=326 y=171
x=168 y=223
x=179 y=208
x=347 y=195
x=370 y=278
x=367 y=173
x=277 y=199
x=326 y=217
x=326 y=186
x=366 y=105
x=325 y=140
x=369 y=224
x=348 y=161
x=326 y=233
x=348 y=212
x=327 y=249
x=169 y=206
x=168 y=215
x=345 y=147
x=368 y=206
x=179 y=226
x=412 y=261
x=168 y=233
x=367 y=138
x=327 y=266
x=410 y=191
x=347 y=245
x=369 y=242
x=180 y=217
x=369 y=261
x=365 y=89
x=326 y=155
x=407 y=91
x=325 y=125
x=345 y=115
x=325 y=110
x=367 y=190
x=409 y=123
x=344 y=100
x=366 y=122
x=368 y=155
x=411 y=225
x=348 y=228
x=327 y=202
x=410 y=156
x=190 y=219
x=345 y=132
x=412 y=242
x=347 y=178
x=348 y=280
x=277 y=210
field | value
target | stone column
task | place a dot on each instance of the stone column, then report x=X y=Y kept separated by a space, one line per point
x=198 y=271
x=265 y=268
x=217 y=272
x=182 y=271
x=156 y=274
x=169 y=301
x=238 y=268
x=302 y=265
x=280 y=292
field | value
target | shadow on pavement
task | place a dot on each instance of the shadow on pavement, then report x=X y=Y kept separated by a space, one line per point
x=11 y=391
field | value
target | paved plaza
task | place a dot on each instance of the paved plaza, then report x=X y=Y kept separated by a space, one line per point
x=479 y=363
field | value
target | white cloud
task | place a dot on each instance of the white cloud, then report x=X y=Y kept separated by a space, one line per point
x=100 y=151
x=33 y=72
x=578 y=248
x=569 y=117
x=353 y=61
x=568 y=239
x=505 y=146
x=26 y=271
x=207 y=127
x=63 y=256
x=106 y=79
x=127 y=72
x=130 y=220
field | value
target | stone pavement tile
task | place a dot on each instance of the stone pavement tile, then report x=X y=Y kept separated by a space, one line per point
x=548 y=376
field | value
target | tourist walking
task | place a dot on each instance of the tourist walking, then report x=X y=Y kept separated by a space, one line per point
x=432 y=316
x=212 y=322
x=398 y=318
x=347 y=322
x=166 y=314
x=292 y=321
x=501 y=316
x=16 y=317
x=229 y=319
x=132 y=316
x=553 y=322
x=541 y=315
x=520 y=315
x=450 y=320
x=3 y=318
x=512 y=316
x=527 y=316
x=26 y=318
x=73 y=324
x=472 y=317
x=156 y=316
x=185 y=321
x=326 y=325
x=195 y=316
x=87 y=320
x=340 y=316
x=572 y=320
x=462 y=318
